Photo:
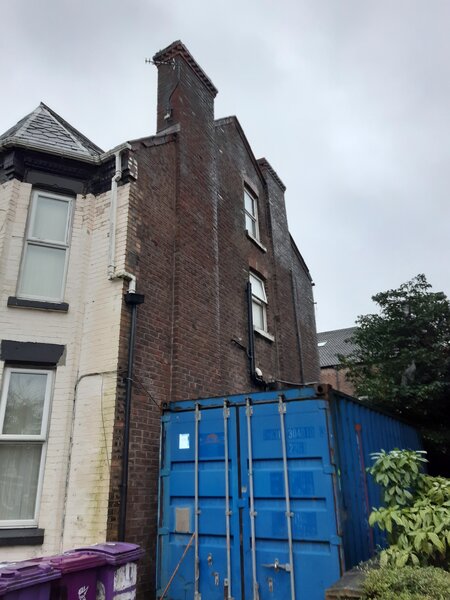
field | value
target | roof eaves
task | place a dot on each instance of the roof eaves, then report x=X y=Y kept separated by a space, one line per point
x=13 y=142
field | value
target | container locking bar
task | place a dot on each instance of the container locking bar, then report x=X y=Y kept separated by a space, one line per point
x=276 y=566
x=249 y=412
x=226 y=416
x=197 y=595
x=289 y=514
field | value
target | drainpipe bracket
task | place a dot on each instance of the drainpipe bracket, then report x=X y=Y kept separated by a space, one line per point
x=134 y=298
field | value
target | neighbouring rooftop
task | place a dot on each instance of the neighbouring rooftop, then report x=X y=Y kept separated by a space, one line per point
x=332 y=343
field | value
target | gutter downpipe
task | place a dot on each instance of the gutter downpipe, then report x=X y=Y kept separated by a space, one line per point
x=113 y=216
x=133 y=300
x=112 y=273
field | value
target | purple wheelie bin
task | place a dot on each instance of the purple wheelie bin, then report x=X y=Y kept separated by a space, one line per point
x=117 y=578
x=79 y=572
x=27 y=580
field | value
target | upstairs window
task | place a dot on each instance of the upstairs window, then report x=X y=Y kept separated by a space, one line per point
x=24 y=411
x=44 y=262
x=251 y=214
x=259 y=303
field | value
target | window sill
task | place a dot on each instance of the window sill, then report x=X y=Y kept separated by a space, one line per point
x=22 y=536
x=14 y=302
x=264 y=334
x=255 y=241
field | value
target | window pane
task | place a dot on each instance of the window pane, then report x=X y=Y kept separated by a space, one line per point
x=43 y=272
x=258 y=315
x=25 y=403
x=258 y=288
x=50 y=219
x=19 y=476
x=249 y=203
x=250 y=225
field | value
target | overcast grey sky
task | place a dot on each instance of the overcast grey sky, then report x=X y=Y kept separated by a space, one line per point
x=349 y=100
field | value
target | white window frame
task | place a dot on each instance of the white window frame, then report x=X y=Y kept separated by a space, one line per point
x=252 y=215
x=46 y=243
x=38 y=439
x=259 y=300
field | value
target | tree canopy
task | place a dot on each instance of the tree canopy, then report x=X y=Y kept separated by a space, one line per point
x=402 y=357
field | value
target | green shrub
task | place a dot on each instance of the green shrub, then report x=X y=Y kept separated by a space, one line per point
x=407 y=583
x=416 y=515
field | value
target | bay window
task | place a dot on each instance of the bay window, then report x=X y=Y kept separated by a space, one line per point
x=24 y=413
x=44 y=261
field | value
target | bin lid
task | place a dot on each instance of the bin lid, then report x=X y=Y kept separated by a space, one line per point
x=116 y=553
x=72 y=561
x=26 y=574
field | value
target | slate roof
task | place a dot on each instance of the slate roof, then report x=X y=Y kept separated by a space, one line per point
x=332 y=343
x=44 y=130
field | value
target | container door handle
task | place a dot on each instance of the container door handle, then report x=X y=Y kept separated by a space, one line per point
x=276 y=565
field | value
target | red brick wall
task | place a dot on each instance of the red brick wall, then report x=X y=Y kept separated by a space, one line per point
x=195 y=352
x=338 y=379
x=306 y=319
x=237 y=254
x=150 y=255
x=188 y=247
x=292 y=365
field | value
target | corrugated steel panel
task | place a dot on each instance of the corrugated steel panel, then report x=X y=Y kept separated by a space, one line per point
x=269 y=482
x=359 y=432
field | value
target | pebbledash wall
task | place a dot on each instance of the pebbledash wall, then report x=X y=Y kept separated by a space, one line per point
x=182 y=232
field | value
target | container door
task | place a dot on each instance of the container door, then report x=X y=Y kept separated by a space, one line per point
x=255 y=483
x=290 y=543
x=198 y=495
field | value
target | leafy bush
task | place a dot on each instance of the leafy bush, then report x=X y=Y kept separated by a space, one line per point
x=416 y=515
x=407 y=583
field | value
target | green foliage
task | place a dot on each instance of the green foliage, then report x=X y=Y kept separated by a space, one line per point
x=408 y=583
x=397 y=472
x=402 y=357
x=416 y=515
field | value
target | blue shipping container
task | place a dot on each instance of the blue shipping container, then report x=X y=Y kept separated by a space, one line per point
x=271 y=492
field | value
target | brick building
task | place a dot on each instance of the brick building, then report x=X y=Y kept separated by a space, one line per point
x=125 y=284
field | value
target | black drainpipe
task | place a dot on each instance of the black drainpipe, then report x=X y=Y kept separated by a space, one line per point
x=133 y=300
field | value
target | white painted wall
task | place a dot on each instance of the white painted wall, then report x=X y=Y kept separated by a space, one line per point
x=73 y=508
